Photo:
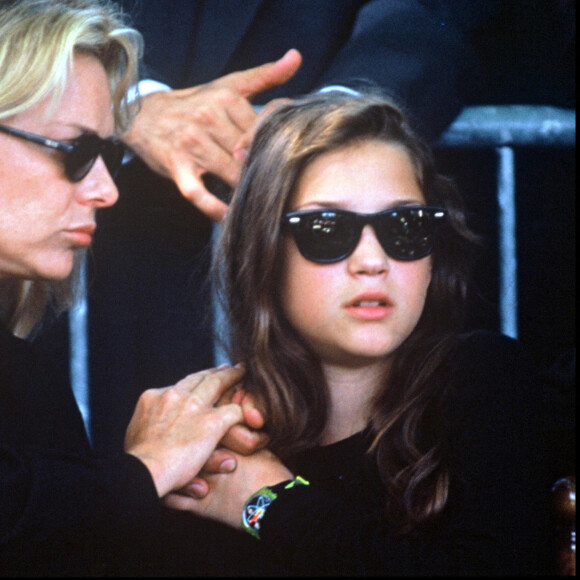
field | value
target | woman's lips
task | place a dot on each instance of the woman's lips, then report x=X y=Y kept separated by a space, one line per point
x=81 y=236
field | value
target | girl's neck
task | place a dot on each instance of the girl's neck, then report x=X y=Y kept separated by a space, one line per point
x=351 y=392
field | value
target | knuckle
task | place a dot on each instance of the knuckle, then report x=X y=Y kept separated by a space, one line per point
x=213 y=381
x=226 y=95
x=188 y=140
x=210 y=423
x=172 y=397
x=149 y=395
x=204 y=115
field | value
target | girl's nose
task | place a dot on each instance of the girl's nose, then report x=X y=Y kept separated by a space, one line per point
x=368 y=257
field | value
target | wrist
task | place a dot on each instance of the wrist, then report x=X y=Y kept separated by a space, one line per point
x=257 y=505
x=156 y=471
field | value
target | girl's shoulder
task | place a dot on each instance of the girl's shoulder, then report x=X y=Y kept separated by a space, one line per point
x=492 y=373
x=483 y=342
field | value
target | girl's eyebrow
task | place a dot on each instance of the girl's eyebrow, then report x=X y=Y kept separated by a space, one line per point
x=346 y=204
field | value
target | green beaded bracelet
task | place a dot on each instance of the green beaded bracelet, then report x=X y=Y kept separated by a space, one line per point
x=256 y=506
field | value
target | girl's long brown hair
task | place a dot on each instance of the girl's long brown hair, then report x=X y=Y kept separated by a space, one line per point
x=284 y=373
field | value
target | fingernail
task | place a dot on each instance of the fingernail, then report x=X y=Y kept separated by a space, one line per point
x=227 y=465
x=197 y=488
x=240 y=154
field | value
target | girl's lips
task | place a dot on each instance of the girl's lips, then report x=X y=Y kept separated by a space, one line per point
x=370 y=306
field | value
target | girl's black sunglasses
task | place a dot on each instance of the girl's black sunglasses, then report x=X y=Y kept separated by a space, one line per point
x=331 y=235
x=79 y=156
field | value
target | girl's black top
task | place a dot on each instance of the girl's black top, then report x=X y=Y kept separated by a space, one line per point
x=495 y=521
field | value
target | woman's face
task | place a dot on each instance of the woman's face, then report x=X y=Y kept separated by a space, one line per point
x=357 y=311
x=44 y=217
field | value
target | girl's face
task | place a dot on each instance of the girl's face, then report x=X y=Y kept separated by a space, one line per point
x=44 y=217
x=357 y=311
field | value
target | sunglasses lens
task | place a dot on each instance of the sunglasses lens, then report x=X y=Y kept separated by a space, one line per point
x=407 y=234
x=324 y=236
x=82 y=157
x=85 y=152
x=113 y=154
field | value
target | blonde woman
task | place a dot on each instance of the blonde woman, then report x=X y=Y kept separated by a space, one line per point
x=65 y=68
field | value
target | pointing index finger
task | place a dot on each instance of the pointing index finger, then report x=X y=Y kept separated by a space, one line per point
x=261 y=78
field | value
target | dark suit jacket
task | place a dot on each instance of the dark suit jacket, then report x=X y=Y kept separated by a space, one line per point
x=417 y=50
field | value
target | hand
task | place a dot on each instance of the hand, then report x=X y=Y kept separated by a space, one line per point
x=244 y=142
x=184 y=134
x=229 y=492
x=174 y=430
x=244 y=438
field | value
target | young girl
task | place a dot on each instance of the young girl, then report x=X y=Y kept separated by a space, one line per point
x=407 y=447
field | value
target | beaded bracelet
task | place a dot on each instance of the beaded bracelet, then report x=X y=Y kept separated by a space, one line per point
x=256 y=506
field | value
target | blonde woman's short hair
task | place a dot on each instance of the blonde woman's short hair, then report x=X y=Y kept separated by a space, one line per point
x=38 y=42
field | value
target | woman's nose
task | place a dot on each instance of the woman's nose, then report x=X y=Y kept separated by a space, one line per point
x=98 y=187
x=368 y=257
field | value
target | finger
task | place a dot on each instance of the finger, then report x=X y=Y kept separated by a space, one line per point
x=220 y=461
x=242 y=146
x=198 y=488
x=237 y=396
x=222 y=107
x=193 y=189
x=230 y=397
x=189 y=382
x=243 y=115
x=255 y=80
x=206 y=153
x=210 y=384
x=252 y=415
x=180 y=502
x=230 y=415
x=244 y=441
x=223 y=117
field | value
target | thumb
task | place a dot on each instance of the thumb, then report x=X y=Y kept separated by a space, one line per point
x=255 y=80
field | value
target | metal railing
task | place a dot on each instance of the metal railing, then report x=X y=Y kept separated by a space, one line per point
x=503 y=128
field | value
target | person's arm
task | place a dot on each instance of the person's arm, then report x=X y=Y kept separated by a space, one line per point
x=421 y=53
x=74 y=513
x=175 y=429
x=493 y=523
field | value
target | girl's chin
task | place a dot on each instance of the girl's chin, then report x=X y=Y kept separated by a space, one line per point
x=359 y=358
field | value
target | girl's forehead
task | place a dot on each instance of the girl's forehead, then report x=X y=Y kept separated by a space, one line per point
x=367 y=176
